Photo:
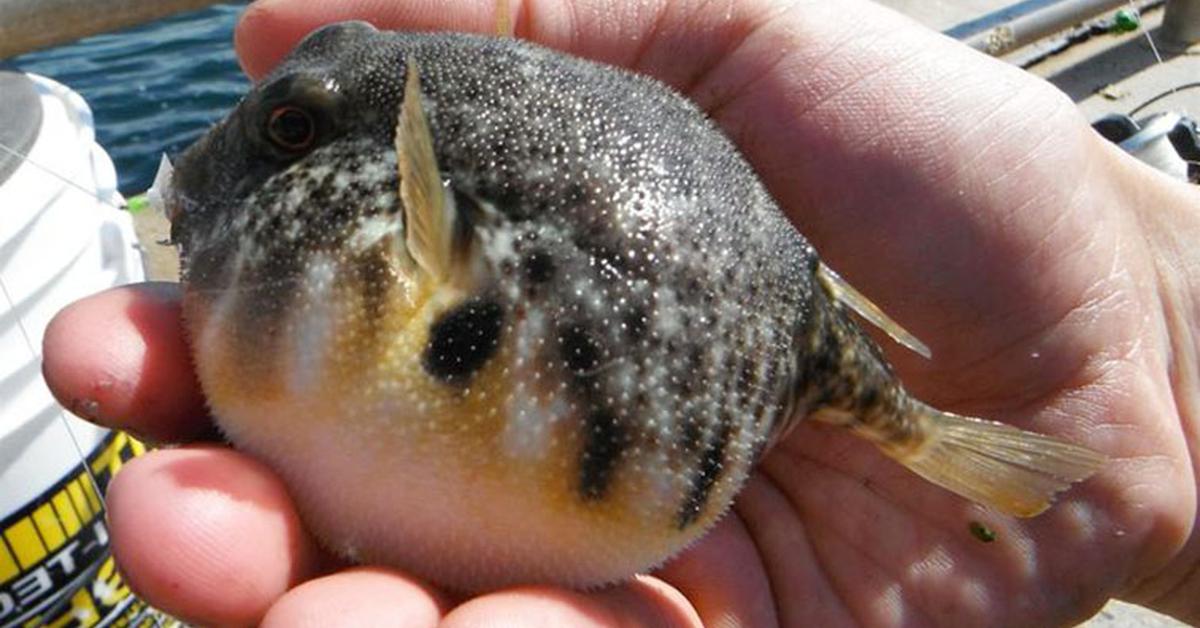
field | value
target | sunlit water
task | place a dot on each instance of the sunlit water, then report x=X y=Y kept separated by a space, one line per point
x=153 y=88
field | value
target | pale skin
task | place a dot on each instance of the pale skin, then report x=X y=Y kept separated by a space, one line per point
x=1054 y=278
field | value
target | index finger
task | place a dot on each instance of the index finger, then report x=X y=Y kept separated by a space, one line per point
x=119 y=358
x=677 y=42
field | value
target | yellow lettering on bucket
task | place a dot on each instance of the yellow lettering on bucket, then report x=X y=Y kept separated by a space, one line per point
x=47 y=524
x=8 y=564
x=80 y=501
x=89 y=489
x=25 y=543
x=66 y=513
x=57 y=541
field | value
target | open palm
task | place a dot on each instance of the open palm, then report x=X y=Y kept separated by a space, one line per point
x=968 y=199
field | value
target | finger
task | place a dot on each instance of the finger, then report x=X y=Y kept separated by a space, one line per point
x=207 y=534
x=358 y=597
x=119 y=358
x=737 y=594
x=269 y=28
x=651 y=37
x=644 y=601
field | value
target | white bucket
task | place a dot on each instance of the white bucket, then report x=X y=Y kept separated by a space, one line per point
x=58 y=242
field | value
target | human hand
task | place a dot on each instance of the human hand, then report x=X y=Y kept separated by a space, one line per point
x=1047 y=272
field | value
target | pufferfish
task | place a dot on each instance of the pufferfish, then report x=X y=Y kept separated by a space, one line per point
x=499 y=315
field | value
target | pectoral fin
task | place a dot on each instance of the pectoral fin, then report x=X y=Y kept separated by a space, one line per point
x=845 y=293
x=428 y=210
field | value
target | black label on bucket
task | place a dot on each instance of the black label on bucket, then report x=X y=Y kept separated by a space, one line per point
x=55 y=569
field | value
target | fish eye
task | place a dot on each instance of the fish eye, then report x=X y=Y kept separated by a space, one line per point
x=290 y=116
x=291 y=128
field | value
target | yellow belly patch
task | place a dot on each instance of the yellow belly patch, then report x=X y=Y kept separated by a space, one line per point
x=371 y=432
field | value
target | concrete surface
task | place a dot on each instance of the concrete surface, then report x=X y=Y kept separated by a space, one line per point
x=943 y=15
x=153 y=233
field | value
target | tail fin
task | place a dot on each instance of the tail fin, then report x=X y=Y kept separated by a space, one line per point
x=994 y=464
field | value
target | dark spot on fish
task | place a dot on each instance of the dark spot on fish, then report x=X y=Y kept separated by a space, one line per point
x=818 y=378
x=712 y=463
x=463 y=340
x=760 y=411
x=696 y=358
x=580 y=350
x=264 y=301
x=868 y=397
x=539 y=267
x=694 y=377
x=690 y=436
x=745 y=381
x=510 y=202
x=574 y=194
x=635 y=322
x=604 y=441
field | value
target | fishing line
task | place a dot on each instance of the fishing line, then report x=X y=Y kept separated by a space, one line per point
x=1146 y=32
x=50 y=171
x=1172 y=89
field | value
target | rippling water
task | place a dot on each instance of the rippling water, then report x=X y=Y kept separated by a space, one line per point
x=153 y=88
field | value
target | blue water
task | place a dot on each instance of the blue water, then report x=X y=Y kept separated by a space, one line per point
x=152 y=89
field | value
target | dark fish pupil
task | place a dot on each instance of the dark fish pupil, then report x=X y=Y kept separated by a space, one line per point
x=291 y=128
x=463 y=340
x=605 y=440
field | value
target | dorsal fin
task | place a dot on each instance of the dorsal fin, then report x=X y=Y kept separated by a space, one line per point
x=504 y=25
x=428 y=217
x=845 y=293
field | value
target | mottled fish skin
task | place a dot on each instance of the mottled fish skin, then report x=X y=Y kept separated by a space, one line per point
x=633 y=322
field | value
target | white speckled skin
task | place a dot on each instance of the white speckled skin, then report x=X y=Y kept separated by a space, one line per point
x=625 y=333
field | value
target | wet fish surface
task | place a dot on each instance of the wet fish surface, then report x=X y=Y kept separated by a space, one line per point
x=499 y=315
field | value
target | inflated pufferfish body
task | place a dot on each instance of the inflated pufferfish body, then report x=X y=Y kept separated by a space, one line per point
x=498 y=315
